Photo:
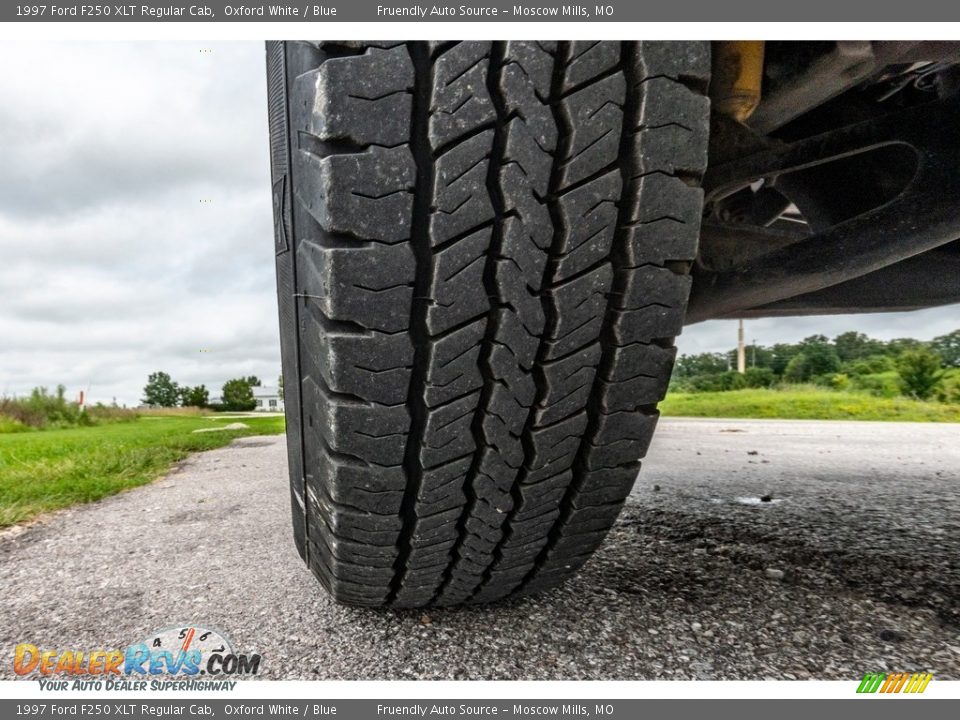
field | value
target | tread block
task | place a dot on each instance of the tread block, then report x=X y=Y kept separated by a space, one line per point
x=532 y=156
x=672 y=121
x=519 y=273
x=456 y=289
x=525 y=79
x=322 y=523
x=509 y=369
x=664 y=220
x=588 y=59
x=590 y=215
x=644 y=325
x=368 y=195
x=452 y=364
x=495 y=471
x=460 y=198
x=622 y=438
x=371 y=285
x=641 y=374
x=372 y=366
x=557 y=442
x=569 y=382
x=375 y=433
x=459 y=99
x=651 y=283
x=512 y=333
x=580 y=305
x=595 y=114
x=375 y=109
x=356 y=553
x=680 y=60
x=447 y=433
x=442 y=482
x=503 y=424
x=520 y=197
x=607 y=485
x=374 y=488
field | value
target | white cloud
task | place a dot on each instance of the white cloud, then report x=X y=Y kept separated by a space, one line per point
x=112 y=267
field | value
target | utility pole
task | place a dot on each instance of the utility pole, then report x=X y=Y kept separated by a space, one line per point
x=741 y=350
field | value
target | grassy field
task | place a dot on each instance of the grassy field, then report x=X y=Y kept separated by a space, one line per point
x=48 y=470
x=805 y=403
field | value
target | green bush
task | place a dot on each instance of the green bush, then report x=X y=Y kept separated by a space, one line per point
x=724 y=381
x=759 y=377
x=44 y=410
x=238 y=394
x=834 y=381
x=870 y=365
x=197 y=396
x=920 y=373
x=949 y=390
x=816 y=358
x=717 y=382
x=9 y=425
x=883 y=384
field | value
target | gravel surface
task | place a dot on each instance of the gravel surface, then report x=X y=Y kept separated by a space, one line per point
x=749 y=549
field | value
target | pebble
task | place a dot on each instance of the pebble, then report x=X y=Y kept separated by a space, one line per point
x=774 y=574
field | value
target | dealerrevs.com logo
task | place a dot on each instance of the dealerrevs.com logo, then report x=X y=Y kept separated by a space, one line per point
x=174 y=658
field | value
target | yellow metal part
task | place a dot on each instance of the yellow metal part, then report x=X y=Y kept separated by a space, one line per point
x=737 y=77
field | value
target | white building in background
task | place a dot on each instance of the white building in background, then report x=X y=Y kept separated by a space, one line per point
x=268 y=399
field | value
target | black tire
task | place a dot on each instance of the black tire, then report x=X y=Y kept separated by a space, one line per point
x=482 y=257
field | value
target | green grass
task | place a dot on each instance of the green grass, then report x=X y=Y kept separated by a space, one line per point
x=52 y=469
x=806 y=403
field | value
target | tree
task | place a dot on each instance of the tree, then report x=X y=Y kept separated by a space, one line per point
x=782 y=354
x=797 y=370
x=238 y=395
x=759 y=377
x=920 y=373
x=816 y=357
x=870 y=365
x=701 y=364
x=280 y=386
x=821 y=357
x=160 y=390
x=759 y=356
x=854 y=345
x=948 y=348
x=899 y=346
x=252 y=380
x=194 y=396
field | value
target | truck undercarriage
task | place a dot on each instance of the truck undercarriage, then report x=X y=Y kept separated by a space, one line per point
x=832 y=184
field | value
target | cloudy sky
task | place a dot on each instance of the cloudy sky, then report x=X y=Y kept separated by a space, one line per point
x=135 y=227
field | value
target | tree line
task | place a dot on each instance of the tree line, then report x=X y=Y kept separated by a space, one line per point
x=236 y=395
x=851 y=360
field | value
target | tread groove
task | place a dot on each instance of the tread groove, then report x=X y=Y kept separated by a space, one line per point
x=420 y=242
x=489 y=283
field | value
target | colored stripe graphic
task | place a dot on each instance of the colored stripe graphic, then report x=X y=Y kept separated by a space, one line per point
x=894 y=683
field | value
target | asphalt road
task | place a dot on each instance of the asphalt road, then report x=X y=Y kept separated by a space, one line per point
x=749 y=549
